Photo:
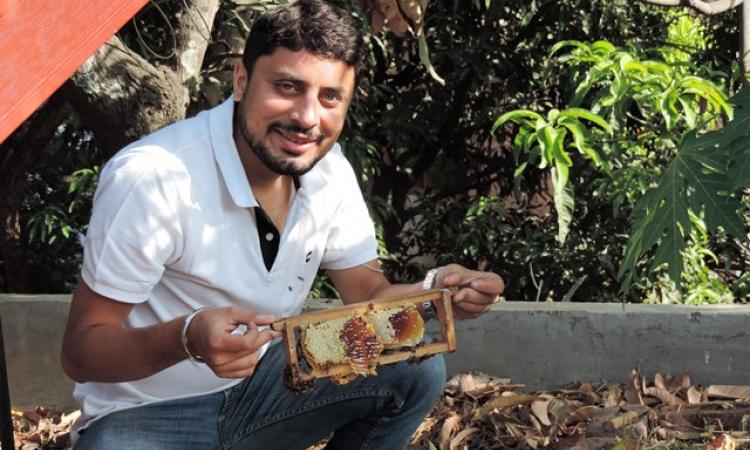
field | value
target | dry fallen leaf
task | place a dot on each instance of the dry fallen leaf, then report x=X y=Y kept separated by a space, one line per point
x=722 y=442
x=462 y=436
x=694 y=395
x=478 y=411
x=621 y=421
x=725 y=391
x=539 y=408
x=450 y=426
x=507 y=401
x=664 y=395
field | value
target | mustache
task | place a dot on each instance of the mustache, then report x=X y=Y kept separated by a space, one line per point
x=309 y=133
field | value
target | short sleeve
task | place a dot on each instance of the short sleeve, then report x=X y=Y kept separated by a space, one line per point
x=134 y=229
x=351 y=237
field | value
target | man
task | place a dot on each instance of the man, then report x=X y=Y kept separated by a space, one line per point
x=205 y=231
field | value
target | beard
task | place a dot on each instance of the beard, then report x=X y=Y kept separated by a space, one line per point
x=276 y=163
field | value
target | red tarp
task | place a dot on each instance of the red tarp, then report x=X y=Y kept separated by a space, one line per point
x=43 y=42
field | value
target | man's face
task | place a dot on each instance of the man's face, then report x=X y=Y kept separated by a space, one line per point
x=292 y=108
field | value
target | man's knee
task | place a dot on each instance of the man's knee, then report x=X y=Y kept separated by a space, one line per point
x=422 y=383
x=104 y=438
x=432 y=377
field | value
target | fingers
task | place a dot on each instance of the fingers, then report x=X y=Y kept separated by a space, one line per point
x=485 y=282
x=469 y=310
x=478 y=290
x=237 y=355
x=240 y=367
x=237 y=315
x=251 y=341
x=214 y=336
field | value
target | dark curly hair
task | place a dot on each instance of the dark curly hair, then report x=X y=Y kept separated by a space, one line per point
x=312 y=25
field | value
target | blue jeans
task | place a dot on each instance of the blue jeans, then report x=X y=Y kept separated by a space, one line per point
x=377 y=412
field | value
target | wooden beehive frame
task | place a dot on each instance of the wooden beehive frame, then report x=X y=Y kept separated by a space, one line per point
x=440 y=298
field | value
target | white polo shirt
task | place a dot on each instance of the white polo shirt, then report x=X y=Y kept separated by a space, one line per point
x=173 y=229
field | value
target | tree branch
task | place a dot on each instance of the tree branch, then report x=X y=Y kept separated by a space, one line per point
x=120 y=96
x=193 y=34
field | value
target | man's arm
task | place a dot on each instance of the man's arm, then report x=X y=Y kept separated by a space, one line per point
x=477 y=291
x=97 y=346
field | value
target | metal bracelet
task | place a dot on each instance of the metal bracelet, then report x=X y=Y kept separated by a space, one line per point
x=184 y=338
x=430 y=278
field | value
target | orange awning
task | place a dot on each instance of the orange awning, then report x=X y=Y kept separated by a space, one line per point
x=43 y=42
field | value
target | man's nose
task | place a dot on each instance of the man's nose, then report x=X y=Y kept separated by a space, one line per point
x=306 y=112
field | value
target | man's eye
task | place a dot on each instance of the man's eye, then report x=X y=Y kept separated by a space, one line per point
x=331 y=97
x=286 y=86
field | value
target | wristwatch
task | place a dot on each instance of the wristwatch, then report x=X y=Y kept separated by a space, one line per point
x=429 y=283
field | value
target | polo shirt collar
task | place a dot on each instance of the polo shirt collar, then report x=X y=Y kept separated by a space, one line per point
x=230 y=165
x=227 y=156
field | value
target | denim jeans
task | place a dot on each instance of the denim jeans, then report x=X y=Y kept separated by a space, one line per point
x=377 y=412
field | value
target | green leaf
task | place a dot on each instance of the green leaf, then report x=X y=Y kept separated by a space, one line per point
x=558 y=149
x=664 y=215
x=702 y=177
x=668 y=108
x=519 y=170
x=689 y=112
x=564 y=203
x=597 y=73
x=424 y=57
x=706 y=89
x=657 y=67
x=580 y=113
x=635 y=66
x=602 y=47
x=546 y=136
x=516 y=116
x=581 y=139
x=569 y=43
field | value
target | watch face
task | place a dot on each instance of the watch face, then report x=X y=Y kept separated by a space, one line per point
x=429 y=309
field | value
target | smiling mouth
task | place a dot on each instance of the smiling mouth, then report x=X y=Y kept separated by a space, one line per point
x=297 y=138
x=295 y=144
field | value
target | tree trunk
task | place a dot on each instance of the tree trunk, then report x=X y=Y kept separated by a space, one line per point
x=121 y=97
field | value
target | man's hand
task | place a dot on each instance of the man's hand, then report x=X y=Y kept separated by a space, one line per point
x=230 y=355
x=477 y=290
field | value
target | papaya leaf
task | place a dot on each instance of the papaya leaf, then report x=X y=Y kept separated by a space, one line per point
x=704 y=177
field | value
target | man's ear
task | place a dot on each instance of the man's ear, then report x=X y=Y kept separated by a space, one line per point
x=239 y=80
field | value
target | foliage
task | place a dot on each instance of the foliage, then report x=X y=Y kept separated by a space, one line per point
x=440 y=184
x=436 y=156
x=545 y=141
x=703 y=175
x=52 y=222
x=58 y=208
x=650 y=98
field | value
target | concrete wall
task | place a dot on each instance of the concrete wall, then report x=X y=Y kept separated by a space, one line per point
x=32 y=330
x=540 y=344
